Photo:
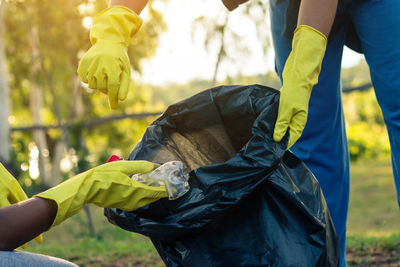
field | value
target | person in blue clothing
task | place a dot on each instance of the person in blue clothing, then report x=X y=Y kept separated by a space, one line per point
x=368 y=26
x=308 y=38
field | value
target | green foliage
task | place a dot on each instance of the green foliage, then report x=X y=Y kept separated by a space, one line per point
x=373 y=209
x=362 y=243
x=168 y=94
x=94 y=252
x=44 y=43
x=270 y=79
x=223 y=40
x=368 y=141
x=366 y=131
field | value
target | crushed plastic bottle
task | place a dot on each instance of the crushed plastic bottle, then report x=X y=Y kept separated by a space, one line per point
x=172 y=175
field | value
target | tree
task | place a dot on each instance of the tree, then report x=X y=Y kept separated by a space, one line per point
x=45 y=40
x=5 y=147
x=218 y=32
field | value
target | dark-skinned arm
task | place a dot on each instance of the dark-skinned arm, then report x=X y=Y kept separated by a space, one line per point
x=108 y=186
x=23 y=221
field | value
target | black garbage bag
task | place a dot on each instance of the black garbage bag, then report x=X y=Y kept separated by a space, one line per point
x=251 y=203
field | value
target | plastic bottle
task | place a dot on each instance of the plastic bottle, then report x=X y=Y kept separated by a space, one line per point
x=172 y=175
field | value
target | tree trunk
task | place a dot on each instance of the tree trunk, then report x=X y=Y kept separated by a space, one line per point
x=39 y=136
x=58 y=153
x=62 y=144
x=5 y=104
x=36 y=105
x=221 y=51
x=92 y=232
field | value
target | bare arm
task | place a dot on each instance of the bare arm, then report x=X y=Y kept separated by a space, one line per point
x=21 y=222
x=135 y=5
x=318 y=14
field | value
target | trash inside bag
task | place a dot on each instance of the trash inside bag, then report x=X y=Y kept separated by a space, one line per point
x=172 y=175
x=250 y=203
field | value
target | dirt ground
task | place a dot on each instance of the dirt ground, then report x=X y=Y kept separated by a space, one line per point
x=366 y=258
x=374 y=257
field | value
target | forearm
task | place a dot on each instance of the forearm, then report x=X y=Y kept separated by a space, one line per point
x=135 y=5
x=318 y=14
x=21 y=222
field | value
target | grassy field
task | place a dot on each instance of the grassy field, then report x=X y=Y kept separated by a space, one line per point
x=111 y=246
x=373 y=226
x=373 y=207
x=373 y=229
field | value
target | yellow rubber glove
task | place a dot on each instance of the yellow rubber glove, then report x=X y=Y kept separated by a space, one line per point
x=107 y=186
x=106 y=66
x=300 y=74
x=11 y=193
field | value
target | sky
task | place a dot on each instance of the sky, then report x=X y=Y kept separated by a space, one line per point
x=181 y=57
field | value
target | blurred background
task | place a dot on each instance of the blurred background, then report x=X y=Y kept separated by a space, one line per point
x=52 y=126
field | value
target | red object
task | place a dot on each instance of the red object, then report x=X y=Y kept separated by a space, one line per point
x=114 y=158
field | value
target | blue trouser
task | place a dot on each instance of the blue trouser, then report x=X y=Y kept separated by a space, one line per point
x=323 y=144
x=26 y=259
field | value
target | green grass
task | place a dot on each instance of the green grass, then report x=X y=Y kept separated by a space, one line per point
x=109 y=246
x=373 y=229
x=362 y=244
x=94 y=252
x=373 y=207
x=373 y=251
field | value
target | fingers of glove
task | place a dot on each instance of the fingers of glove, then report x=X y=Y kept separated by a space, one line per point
x=296 y=127
x=92 y=83
x=39 y=239
x=128 y=166
x=91 y=77
x=98 y=79
x=148 y=191
x=154 y=196
x=131 y=197
x=282 y=123
x=83 y=69
x=145 y=194
x=101 y=79
x=123 y=90
x=113 y=85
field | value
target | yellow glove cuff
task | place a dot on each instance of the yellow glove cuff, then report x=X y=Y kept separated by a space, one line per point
x=303 y=65
x=115 y=24
x=310 y=30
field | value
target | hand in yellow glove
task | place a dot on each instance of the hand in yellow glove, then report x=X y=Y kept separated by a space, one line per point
x=106 y=66
x=300 y=74
x=107 y=185
x=11 y=193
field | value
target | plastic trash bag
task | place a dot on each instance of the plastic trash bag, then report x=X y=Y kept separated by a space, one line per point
x=250 y=203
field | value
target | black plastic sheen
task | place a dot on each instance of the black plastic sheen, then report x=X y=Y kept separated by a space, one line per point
x=250 y=203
